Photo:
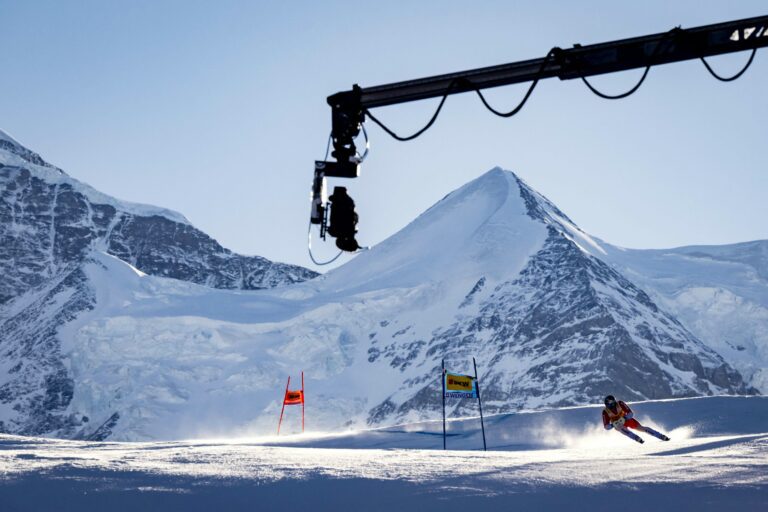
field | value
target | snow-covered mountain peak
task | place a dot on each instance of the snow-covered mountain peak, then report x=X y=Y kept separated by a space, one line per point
x=14 y=153
x=544 y=210
x=19 y=160
x=6 y=137
x=49 y=221
x=487 y=228
x=481 y=228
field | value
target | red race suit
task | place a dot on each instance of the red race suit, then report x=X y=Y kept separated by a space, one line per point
x=622 y=411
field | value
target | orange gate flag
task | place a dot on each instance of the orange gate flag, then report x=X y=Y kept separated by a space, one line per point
x=294 y=397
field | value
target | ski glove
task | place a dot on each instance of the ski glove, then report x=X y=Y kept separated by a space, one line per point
x=608 y=426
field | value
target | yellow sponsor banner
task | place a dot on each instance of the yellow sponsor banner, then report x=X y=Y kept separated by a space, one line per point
x=455 y=382
x=460 y=386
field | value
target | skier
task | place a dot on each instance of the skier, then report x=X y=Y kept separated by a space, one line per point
x=618 y=415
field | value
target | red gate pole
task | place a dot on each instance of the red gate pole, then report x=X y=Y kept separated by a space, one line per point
x=302 y=401
x=283 y=409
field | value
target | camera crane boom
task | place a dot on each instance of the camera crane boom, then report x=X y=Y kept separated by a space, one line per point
x=350 y=108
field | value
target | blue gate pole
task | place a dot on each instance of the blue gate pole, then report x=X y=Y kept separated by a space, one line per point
x=480 y=402
x=442 y=379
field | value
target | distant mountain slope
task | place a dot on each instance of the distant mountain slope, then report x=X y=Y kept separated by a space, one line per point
x=36 y=384
x=50 y=224
x=562 y=328
x=493 y=271
x=49 y=220
x=97 y=342
x=719 y=292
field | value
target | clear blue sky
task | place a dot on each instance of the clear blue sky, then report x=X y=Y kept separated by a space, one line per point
x=217 y=110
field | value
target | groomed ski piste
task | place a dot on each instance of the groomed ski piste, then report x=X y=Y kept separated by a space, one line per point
x=717 y=459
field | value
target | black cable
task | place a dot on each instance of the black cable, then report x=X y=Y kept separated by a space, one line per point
x=425 y=128
x=656 y=51
x=328 y=146
x=309 y=231
x=482 y=98
x=322 y=263
x=734 y=77
x=312 y=257
x=520 y=105
x=618 y=96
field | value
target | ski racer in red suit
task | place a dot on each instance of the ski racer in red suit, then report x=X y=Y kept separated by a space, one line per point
x=618 y=415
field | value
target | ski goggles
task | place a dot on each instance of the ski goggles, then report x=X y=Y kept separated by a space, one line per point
x=611 y=404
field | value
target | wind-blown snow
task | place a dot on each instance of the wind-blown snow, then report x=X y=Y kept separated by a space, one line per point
x=547 y=460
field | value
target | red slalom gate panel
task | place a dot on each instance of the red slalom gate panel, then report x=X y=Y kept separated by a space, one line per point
x=292 y=397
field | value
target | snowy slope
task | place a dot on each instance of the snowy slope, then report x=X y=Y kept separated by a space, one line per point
x=549 y=460
x=50 y=223
x=720 y=293
x=508 y=277
x=493 y=270
x=683 y=419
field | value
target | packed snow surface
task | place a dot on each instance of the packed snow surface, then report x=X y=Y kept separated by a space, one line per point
x=717 y=459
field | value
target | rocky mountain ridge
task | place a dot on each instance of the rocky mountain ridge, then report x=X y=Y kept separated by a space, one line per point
x=49 y=220
x=49 y=225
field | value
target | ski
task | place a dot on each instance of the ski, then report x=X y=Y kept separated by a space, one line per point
x=631 y=435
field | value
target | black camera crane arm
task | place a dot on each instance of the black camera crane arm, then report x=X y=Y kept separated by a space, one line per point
x=350 y=108
x=579 y=61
